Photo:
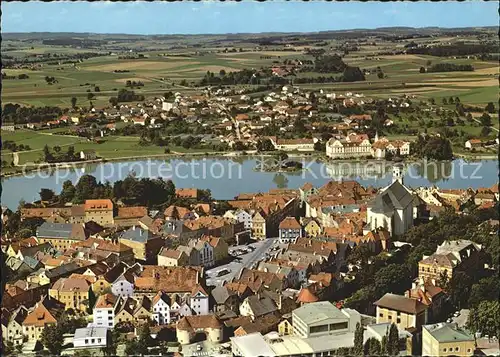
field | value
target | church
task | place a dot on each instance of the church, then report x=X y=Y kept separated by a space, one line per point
x=393 y=207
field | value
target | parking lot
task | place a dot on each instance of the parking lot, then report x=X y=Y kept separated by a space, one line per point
x=256 y=251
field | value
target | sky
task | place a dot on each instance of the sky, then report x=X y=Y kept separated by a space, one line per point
x=210 y=17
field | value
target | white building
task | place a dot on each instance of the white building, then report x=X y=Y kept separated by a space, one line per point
x=199 y=302
x=104 y=311
x=342 y=149
x=161 y=308
x=166 y=106
x=90 y=337
x=392 y=208
x=123 y=286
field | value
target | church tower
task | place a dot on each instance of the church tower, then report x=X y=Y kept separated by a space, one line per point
x=376 y=136
x=397 y=173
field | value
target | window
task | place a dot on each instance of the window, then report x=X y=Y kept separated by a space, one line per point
x=110 y=318
x=468 y=350
x=457 y=349
x=99 y=340
x=381 y=315
x=389 y=317
x=398 y=320
x=444 y=349
x=86 y=341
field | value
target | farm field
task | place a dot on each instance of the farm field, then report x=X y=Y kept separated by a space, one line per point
x=162 y=70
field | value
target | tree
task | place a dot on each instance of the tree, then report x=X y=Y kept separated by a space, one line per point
x=97 y=89
x=265 y=145
x=84 y=189
x=373 y=347
x=422 y=69
x=52 y=339
x=113 y=339
x=145 y=339
x=90 y=96
x=487 y=289
x=113 y=101
x=358 y=340
x=445 y=101
x=490 y=108
x=393 y=341
x=380 y=74
x=73 y=102
x=131 y=347
x=319 y=146
x=8 y=348
x=239 y=146
x=68 y=192
x=47 y=155
x=485 y=119
x=485 y=131
x=392 y=278
x=459 y=288
x=484 y=318
x=57 y=148
x=46 y=194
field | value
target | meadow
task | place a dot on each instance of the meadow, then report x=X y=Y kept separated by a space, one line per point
x=163 y=70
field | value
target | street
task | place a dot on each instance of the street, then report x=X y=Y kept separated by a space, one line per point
x=246 y=260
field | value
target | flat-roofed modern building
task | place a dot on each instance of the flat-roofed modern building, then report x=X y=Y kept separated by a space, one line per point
x=323 y=318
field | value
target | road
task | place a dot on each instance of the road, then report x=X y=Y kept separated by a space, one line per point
x=246 y=261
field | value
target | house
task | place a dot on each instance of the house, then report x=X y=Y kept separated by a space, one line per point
x=473 y=144
x=61 y=235
x=88 y=155
x=224 y=299
x=259 y=226
x=45 y=313
x=90 y=337
x=161 y=308
x=403 y=311
x=322 y=319
x=178 y=282
x=99 y=211
x=447 y=339
x=129 y=216
x=103 y=312
x=450 y=257
x=257 y=305
x=312 y=229
x=123 y=286
x=430 y=295
x=172 y=257
x=187 y=193
x=72 y=292
x=392 y=208
x=219 y=247
x=190 y=326
x=285 y=327
x=289 y=230
x=12 y=325
x=144 y=243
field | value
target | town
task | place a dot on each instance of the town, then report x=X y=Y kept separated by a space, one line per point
x=337 y=269
x=362 y=215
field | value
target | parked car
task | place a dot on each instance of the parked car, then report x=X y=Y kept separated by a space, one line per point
x=223 y=272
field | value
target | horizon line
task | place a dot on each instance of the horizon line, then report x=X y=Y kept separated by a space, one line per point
x=253 y=33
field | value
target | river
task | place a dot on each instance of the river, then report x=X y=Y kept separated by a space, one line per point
x=228 y=177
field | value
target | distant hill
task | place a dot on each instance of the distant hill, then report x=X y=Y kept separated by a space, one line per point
x=335 y=33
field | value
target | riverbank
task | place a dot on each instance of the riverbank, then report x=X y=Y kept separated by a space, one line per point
x=250 y=154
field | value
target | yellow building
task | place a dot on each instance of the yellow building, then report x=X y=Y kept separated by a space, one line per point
x=172 y=258
x=446 y=339
x=99 y=211
x=60 y=235
x=74 y=293
x=402 y=311
x=449 y=257
x=312 y=229
x=285 y=327
x=258 y=226
x=45 y=313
